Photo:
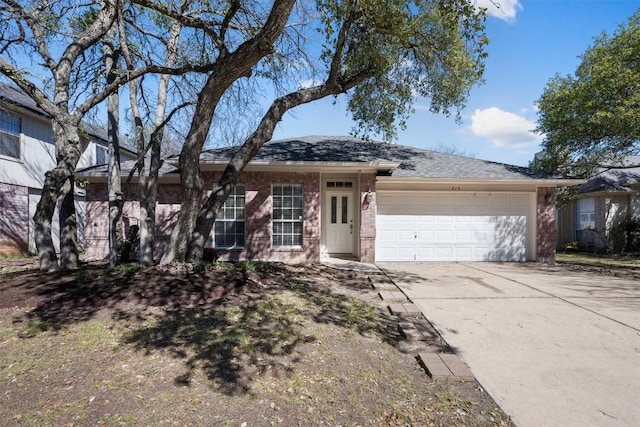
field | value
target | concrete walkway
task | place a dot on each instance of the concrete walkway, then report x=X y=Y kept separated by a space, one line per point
x=553 y=348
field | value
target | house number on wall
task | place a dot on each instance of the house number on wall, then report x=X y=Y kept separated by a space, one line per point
x=456 y=188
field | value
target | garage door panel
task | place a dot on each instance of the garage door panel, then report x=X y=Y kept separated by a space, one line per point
x=461 y=227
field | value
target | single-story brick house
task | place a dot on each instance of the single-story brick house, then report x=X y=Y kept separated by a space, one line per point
x=602 y=203
x=305 y=198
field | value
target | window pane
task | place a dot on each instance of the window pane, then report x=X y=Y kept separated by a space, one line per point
x=287 y=204
x=334 y=209
x=101 y=155
x=9 y=145
x=229 y=225
x=586 y=214
x=9 y=123
x=345 y=207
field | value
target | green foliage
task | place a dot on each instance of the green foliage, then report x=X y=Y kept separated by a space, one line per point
x=593 y=117
x=425 y=48
x=34 y=328
x=200 y=266
x=625 y=236
x=80 y=22
x=86 y=276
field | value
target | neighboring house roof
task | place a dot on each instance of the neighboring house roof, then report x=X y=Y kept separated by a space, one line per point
x=166 y=169
x=616 y=179
x=15 y=96
x=408 y=162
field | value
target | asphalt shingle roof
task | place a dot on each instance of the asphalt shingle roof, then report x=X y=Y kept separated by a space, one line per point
x=413 y=162
x=166 y=169
x=617 y=179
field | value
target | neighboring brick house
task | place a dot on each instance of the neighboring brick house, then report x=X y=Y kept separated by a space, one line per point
x=602 y=203
x=27 y=151
x=306 y=198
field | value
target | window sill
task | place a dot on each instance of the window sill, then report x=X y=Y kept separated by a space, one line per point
x=287 y=248
x=11 y=159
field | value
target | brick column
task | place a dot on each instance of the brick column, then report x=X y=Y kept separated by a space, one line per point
x=546 y=225
x=367 y=203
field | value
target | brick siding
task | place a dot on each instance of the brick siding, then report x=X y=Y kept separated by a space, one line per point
x=257 y=222
x=546 y=224
x=368 y=217
x=14 y=220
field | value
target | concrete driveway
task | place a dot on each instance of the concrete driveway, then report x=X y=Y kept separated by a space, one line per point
x=553 y=347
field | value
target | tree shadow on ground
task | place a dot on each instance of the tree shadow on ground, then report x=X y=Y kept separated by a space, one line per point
x=230 y=325
x=236 y=339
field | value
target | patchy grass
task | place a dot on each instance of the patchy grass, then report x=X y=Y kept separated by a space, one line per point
x=598 y=260
x=293 y=345
x=9 y=270
x=86 y=276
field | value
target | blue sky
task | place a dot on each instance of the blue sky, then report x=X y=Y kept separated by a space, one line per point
x=531 y=40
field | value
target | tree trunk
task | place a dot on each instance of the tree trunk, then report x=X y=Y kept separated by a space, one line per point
x=191 y=180
x=229 y=68
x=115 y=184
x=68 y=151
x=113 y=121
x=69 y=258
x=192 y=190
x=148 y=184
x=43 y=220
x=207 y=215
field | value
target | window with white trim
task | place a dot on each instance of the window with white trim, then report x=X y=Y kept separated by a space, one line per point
x=10 y=128
x=229 y=226
x=287 y=210
x=586 y=214
x=586 y=220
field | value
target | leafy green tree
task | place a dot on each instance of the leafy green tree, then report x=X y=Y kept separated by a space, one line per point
x=592 y=119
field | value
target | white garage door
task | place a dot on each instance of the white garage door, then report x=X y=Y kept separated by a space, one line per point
x=452 y=227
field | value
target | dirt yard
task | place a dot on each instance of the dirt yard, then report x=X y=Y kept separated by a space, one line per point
x=239 y=345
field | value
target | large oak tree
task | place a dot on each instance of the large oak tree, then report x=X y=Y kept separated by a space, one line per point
x=381 y=54
x=591 y=119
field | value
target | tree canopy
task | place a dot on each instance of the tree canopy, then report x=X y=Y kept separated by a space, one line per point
x=592 y=119
x=381 y=54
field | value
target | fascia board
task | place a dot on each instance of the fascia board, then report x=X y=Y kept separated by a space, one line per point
x=291 y=166
x=524 y=181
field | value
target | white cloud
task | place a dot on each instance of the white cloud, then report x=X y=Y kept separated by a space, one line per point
x=504 y=129
x=501 y=9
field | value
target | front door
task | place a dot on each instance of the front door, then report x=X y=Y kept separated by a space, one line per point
x=339 y=222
